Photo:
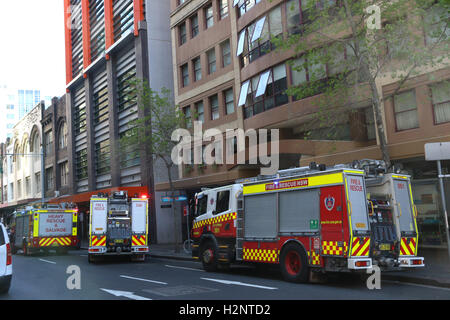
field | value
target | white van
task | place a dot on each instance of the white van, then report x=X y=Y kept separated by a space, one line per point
x=5 y=261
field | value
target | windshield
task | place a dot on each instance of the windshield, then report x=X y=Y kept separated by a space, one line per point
x=201 y=205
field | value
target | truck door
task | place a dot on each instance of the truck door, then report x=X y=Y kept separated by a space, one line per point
x=99 y=215
x=223 y=222
x=358 y=215
x=403 y=207
x=332 y=221
x=139 y=222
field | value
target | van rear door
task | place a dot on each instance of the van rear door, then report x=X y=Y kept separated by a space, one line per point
x=139 y=224
x=3 y=250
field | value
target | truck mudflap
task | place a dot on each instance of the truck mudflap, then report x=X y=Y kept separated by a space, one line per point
x=411 y=262
x=359 y=263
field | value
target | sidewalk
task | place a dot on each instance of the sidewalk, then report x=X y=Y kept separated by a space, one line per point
x=435 y=273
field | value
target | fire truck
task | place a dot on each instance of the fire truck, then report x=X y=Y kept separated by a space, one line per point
x=118 y=226
x=392 y=216
x=44 y=227
x=306 y=220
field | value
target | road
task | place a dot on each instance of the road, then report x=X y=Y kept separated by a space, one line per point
x=44 y=277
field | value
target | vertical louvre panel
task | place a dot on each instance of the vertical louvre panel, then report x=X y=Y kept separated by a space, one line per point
x=123 y=17
x=128 y=112
x=76 y=38
x=101 y=130
x=80 y=134
x=97 y=24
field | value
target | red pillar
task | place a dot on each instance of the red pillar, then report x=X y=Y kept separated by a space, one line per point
x=86 y=33
x=109 y=24
x=138 y=14
x=68 y=36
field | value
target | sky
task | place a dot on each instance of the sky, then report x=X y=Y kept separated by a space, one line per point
x=32 y=50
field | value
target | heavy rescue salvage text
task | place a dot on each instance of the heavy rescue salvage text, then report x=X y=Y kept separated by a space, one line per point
x=55 y=219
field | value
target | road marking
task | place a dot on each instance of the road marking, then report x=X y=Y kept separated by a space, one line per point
x=140 y=279
x=184 y=268
x=237 y=283
x=47 y=261
x=416 y=285
x=129 y=295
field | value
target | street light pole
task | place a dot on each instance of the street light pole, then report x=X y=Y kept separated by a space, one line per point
x=444 y=204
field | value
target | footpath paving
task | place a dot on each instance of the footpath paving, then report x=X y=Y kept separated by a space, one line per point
x=435 y=273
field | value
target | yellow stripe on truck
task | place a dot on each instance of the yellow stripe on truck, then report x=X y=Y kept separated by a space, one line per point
x=306 y=182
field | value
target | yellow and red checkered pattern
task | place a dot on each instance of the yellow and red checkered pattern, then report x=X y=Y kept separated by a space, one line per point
x=408 y=247
x=261 y=255
x=137 y=241
x=314 y=258
x=332 y=248
x=98 y=241
x=218 y=219
x=47 y=242
x=360 y=247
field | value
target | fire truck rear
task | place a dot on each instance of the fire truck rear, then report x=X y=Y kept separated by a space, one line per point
x=118 y=226
x=305 y=220
x=44 y=227
x=392 y=215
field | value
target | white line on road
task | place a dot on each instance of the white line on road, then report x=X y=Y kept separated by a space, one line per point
x=240 y=284
x=140 y=279
x=416 y=285
x=129 y=295
x=47 y=261
x=184 y=268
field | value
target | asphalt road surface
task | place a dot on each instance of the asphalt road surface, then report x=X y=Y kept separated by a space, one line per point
x=45 y=277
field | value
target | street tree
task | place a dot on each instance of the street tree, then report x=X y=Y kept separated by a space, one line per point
x=344 y=49
x=152 y=133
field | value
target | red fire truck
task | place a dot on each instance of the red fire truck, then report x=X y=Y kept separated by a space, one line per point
x=309 y=219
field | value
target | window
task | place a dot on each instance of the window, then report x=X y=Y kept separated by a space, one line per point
x=265 y=91
x=405 y=110
x=197 y=69
x=48 y=140
x=214 y=105
x=10 y=107
x=436 y=25
x=370 y=123
x=102 y=158
x=81 y=165
x=440 y=93
x=185 y=75
x=258 y=36
x=229 y=101
x=209 y=16
x=11 y=188
x=223 y=7
x=188 y=116
x=194 y=26
x=180 y=2
x=62 y=135
x=10 y=116
x=226 y=53
x=49 y=179
x=64 y=173
x=245 y=5
x=19 y=189
x=28 y=186
x=211 y=54
x=223 y=201
x=200 y=111
x=182 y=33
x=38 y=181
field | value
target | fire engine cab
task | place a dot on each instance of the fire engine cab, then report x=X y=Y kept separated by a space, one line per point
x=392 y=216
x=309 y=219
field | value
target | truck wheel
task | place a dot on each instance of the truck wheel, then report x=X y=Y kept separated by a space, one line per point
x=209 y=257
x=293 y=263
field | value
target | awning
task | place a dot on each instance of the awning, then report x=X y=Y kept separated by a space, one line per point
x=86 y=197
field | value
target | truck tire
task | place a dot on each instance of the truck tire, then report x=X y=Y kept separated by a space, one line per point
x=294 y=264
x=91 y=258
x=208 y=257
x=138 y=257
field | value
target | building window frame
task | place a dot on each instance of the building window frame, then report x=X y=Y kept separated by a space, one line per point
x=397 y=113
